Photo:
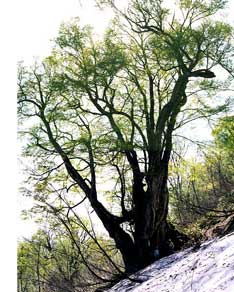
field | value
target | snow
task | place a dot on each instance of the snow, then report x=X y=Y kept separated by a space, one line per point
x=207 y=269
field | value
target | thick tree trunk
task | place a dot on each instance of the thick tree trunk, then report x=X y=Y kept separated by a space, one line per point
x=150 y=228
x=127 y=248
x=154 y=237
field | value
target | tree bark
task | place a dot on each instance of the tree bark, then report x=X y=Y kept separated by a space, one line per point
x=151 y=224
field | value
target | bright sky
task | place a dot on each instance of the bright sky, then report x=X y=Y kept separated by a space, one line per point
x=40 y=20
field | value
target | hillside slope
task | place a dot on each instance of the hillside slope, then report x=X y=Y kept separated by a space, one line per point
x=206 y=269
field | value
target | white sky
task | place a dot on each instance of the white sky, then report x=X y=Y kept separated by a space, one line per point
x=41 y=20
x=38 y=22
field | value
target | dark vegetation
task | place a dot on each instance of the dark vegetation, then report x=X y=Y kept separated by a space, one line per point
x=108 y=129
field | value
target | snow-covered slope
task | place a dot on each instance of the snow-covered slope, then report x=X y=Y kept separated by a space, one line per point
x=207 y=269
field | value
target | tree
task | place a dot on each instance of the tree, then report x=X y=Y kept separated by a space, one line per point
x=52 y=261
x=202 y=190
x=110 y=108
x=32 y=265
x=224 y=134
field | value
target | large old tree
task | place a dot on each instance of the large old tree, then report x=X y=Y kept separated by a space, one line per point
x=106 y=110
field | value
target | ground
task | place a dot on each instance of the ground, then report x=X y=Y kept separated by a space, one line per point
x=207 y=268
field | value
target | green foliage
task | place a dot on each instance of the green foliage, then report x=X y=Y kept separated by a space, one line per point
x=92 y=63
x=224 y=134
x=210 y=6
x=202 y=192
x=51 y=261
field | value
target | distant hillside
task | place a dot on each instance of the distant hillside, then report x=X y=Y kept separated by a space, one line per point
x=207 y=268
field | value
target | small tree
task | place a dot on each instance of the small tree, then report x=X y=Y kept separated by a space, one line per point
x=108 y=109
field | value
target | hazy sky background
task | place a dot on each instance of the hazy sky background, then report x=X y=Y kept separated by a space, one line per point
x=41 y=20
x=37 y=24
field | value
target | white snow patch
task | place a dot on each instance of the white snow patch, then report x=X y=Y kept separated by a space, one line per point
x=208 y=269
